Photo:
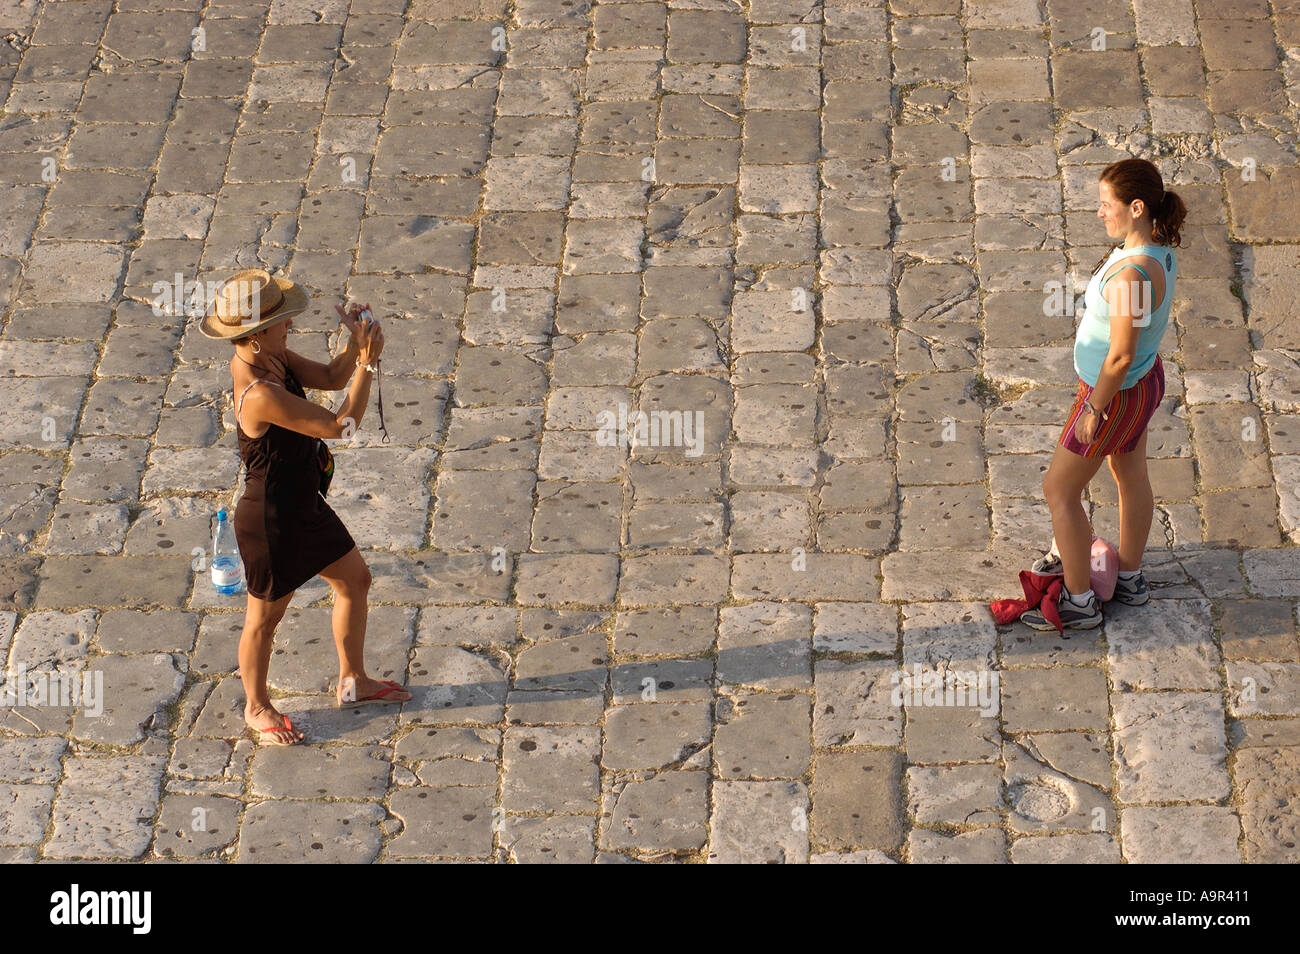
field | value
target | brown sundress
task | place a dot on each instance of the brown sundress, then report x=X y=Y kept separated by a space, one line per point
x=285 y=530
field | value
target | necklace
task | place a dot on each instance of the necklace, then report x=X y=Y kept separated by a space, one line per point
x=257 y=366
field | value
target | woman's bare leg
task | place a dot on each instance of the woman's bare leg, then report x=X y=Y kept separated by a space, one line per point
x=1063 y=486
x=255 y=643
x=349 y=578
x=1136 y=502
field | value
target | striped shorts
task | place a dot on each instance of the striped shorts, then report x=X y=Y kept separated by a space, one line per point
x=1127 y=415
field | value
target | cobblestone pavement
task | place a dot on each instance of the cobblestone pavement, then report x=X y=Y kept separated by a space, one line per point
x=822 y=232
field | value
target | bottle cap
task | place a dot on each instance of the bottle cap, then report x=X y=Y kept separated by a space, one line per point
x=221 y=515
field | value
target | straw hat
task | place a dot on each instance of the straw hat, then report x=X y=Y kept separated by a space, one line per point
x=249 y=301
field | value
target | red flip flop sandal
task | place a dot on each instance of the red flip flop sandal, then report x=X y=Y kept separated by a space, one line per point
x=389 y=688
x=277 y=734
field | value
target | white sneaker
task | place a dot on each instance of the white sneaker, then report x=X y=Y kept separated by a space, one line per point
x=1132 y=592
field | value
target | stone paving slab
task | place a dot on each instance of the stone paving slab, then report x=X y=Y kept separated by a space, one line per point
x=727 y=347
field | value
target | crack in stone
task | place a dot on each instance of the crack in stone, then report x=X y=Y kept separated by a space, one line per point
x=1166 y=524
x=25 y=719
x=1141 y=720
x=1031 y=747
x=471 y=79
x=1034 y=227
x=937 y=310
x=925 y=343
x=717 y=107
x=35 y=494
x=102 y=66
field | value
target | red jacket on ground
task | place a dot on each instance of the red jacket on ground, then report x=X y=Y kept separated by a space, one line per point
x=1041 y=590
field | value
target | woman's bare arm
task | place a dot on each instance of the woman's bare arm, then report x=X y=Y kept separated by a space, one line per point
x=272 y=405
x=276 y=406
x=324 y=377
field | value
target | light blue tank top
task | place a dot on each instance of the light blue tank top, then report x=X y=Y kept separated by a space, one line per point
x=1092 y=339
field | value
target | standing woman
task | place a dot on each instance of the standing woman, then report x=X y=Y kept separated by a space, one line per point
x=286 y=532
x=1121 y=383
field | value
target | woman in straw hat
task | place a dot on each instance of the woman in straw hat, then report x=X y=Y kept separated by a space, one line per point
x=286 y=532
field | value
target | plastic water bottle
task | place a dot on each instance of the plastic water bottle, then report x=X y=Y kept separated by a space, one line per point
x=227 y=567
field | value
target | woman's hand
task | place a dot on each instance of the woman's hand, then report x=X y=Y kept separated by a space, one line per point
x=352 y=318
x=367 y=338
x=1085 y=428
x=370 y=341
